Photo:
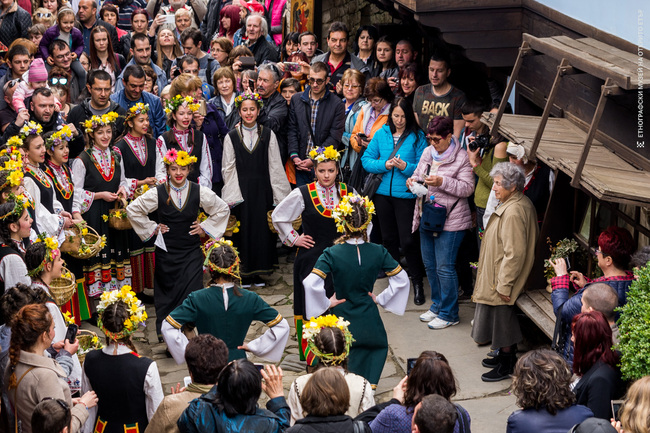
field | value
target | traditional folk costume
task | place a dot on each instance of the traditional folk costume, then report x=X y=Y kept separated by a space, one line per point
x=179 y=260
x=52 y=252
x=361 y=392
x=354 y=265
x=315 y=204
x=139 y=159
x=191 y=140
x=220 y=311
x=254 y=181
x=79 y=306
x=96 y=170
x=12 y=264
x=127 y=384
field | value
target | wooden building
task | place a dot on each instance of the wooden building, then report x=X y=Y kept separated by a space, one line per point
x=579 y=97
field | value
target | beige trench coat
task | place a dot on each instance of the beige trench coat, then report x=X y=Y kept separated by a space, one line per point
x=507 y=251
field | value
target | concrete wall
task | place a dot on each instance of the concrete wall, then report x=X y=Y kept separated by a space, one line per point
x=353 y=14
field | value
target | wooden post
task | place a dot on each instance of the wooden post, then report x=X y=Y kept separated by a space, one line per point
x=606 y=90
x=523 y=51
x=562 y=69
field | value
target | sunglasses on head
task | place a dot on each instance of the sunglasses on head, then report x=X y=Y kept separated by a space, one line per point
x=59 y=80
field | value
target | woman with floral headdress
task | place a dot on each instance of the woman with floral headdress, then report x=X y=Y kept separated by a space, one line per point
x=329 y=339
x=51 y=218
x=315 y=203
x=56 y=167
x=183 y=136
x=138 y=152
x=127 y=385
x=44 y=264
x=254 y=181
x=179 y=261
x=354 y=264
x=98 y=178
x=226 y=311
x=15 y=225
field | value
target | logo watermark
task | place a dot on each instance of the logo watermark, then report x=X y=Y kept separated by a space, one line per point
x=640 y=130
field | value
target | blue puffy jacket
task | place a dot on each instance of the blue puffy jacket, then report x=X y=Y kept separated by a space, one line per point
x=393 y=183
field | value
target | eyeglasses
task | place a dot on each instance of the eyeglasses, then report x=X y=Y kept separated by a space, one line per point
x=318 y=81
x=351 y=86
x=59 y=80
x=43 y=14
x=376 y=100
x=433 y=139
x=61 y=403
x=597 y=251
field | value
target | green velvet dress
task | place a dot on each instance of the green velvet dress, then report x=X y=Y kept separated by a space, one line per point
x=354 y=273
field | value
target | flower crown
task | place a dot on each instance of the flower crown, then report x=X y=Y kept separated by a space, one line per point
x=177 y=101
x=345 y=209
x=21 y=203
x=232 y=270
x=136 y=310
x=14 y=165
x=312 y=328
x=138 y=108
x=321 y=154
x=249 y=97
x=181 y=158
x=97 y=121
x=51 y=253
x=12 y=145
x=30 y=128
x=63 y=135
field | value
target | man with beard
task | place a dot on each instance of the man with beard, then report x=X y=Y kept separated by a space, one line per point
x=275 y=110
x=60 y=56
x=141 y=52
x=99 y=103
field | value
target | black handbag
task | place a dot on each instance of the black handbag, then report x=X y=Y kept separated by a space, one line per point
x=434 y=217
x=373 y=180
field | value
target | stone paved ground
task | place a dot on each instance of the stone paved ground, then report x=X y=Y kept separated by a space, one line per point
x=488 y=404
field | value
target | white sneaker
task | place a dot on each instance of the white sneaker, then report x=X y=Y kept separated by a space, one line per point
x=259 y=284
x=439 y=323
x=428 y=316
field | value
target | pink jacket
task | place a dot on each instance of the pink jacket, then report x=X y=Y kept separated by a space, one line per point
x=458 y=183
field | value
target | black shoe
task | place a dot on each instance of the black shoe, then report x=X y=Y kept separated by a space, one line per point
x=144 y=298
x=503 y=370
x=418 y=293
x=490 y=362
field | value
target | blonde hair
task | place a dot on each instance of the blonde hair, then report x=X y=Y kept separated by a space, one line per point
x=635 y=414
x=185 y=83
x=46 y=21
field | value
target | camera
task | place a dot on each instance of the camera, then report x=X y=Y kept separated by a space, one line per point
x=481 y=141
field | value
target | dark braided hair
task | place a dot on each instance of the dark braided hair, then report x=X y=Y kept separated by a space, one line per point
x=113 y=318
x=224 y=257
x=356 y=219
x=27 y=326
x=5 y=231
x=331 y=340
x=17 y=297
x=34 y=256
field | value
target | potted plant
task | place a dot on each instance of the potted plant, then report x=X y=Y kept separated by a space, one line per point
x=634 y=328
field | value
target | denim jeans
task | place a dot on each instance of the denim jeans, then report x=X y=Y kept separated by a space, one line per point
x=439 y=256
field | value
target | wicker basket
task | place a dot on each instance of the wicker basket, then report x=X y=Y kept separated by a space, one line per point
x=85 y=337
x=139 y=191
x=62 y=289
x=115 y=222
x=232 y=224
x=72 y=240
x=296 y=223
x=90 y=239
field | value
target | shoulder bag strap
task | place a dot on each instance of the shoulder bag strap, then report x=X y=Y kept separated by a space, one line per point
x=453 y=206
x=16 y=397
x=398 y=145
